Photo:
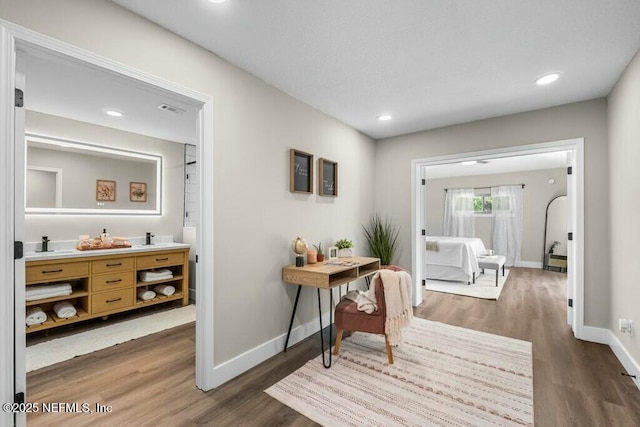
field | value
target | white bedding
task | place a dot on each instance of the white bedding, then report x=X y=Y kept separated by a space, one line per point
x=456 y=258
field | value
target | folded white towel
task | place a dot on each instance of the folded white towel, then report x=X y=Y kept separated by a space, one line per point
x=48 y=295
x=156 y=273
x=155 y=279
x=36 y=316
x=64 y=309
x=167 y=290
x=146 y=295
x=35 y=290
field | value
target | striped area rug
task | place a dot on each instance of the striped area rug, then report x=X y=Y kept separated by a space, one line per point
x=442 y=376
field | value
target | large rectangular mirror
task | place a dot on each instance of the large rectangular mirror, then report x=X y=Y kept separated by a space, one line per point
x=70 y=177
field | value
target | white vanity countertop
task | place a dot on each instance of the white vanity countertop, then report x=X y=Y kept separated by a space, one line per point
x=74 y=253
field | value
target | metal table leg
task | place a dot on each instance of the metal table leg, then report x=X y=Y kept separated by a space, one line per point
x=293 y=314
x=324 y=363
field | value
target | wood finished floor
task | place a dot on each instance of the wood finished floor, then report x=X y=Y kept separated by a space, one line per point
x=150 y=381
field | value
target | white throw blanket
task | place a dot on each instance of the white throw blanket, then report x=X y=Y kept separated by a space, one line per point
x=365 y=300
x=167 y=290
x=146 y=294
x=36 y=292
x=36 y=316
x=396 y=285
x=64 y=309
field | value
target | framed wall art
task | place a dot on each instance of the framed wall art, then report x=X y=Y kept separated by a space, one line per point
x=138 y=191
x=105 y=190
x=300 y=172
x=328 y=178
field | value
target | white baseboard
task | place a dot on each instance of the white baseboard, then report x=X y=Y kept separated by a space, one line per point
x=529 y=264
x=606 y=336
x=247 y=360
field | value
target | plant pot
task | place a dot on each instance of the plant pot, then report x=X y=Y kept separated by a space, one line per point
x=344 y=253
x=320 y=257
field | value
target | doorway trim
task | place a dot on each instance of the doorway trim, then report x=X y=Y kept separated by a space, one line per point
x=12 y=35
x=575 y=275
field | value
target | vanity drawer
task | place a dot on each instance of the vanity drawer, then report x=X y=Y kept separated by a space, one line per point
x=59 y=271
x=159 y=260
x=109 y=265
x=105 y=282
x=112 y=300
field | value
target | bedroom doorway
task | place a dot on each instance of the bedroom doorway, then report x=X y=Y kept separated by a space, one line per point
x=573 y=153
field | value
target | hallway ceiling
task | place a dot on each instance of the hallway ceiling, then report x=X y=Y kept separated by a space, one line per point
x=429 y=63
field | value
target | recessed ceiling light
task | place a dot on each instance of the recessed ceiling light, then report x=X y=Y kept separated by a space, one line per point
x=217 y=1
x=385 y=117
x=547 y=78
x=469 y=162
x=114 y=113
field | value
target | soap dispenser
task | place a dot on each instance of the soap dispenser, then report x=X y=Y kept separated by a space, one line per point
x=104 y=237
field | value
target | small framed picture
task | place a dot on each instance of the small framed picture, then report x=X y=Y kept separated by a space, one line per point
x=105 y=190
x=332 y=252
x=300 y=172
x=138 y=191
x=328 y=178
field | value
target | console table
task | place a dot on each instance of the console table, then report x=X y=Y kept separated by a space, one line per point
x=327 y=276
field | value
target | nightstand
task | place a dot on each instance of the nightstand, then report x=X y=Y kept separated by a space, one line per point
x=555 y=262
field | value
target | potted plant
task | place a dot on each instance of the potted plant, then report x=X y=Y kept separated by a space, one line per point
x=320 y=253
x=344 y=248
x=382 y=237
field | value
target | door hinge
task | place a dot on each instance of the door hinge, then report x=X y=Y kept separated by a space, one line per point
x=570 y=170
x=424 y=182
x=19 y=398
x=18 y=250
x=196 y=259
x=570 y=302
x=570 y=236
x=19 y=98
x=424 y=232
x=424 y=283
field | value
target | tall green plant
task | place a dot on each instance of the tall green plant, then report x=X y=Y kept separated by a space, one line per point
x=382 y=237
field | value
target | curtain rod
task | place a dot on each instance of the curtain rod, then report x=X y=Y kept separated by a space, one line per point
x=480 y=188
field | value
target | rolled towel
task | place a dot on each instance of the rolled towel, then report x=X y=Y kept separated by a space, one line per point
x=167 y=290
x=36 y=316
x=64 y=309
x=146 y=294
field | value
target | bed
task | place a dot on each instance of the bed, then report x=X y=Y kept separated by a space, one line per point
x=453 y=258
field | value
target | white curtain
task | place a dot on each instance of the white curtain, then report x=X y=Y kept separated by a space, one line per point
x=458 y=213
x=506 y=207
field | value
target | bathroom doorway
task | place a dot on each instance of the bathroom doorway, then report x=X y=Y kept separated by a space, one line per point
x=17 y=44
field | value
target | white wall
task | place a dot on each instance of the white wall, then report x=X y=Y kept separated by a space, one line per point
x=61 y=227
x=536 y=195
x=584 y=119
x=624 y=189
x=255 y=216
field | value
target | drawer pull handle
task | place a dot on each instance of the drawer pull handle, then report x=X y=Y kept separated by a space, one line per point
x=114 y=265
x=162 y=259
x=114 y=300
x=114 y=281
x=52 y=271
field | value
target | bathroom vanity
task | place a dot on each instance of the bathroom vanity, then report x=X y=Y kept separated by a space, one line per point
x=105 y=282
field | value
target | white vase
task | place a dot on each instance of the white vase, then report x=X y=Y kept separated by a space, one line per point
x=344 y=253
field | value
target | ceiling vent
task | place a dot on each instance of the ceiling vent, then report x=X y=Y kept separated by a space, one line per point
x=171 y=108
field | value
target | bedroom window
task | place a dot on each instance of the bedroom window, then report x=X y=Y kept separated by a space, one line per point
x=482 y=204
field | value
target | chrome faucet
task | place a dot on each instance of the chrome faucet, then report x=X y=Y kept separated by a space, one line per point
x=148 y=240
